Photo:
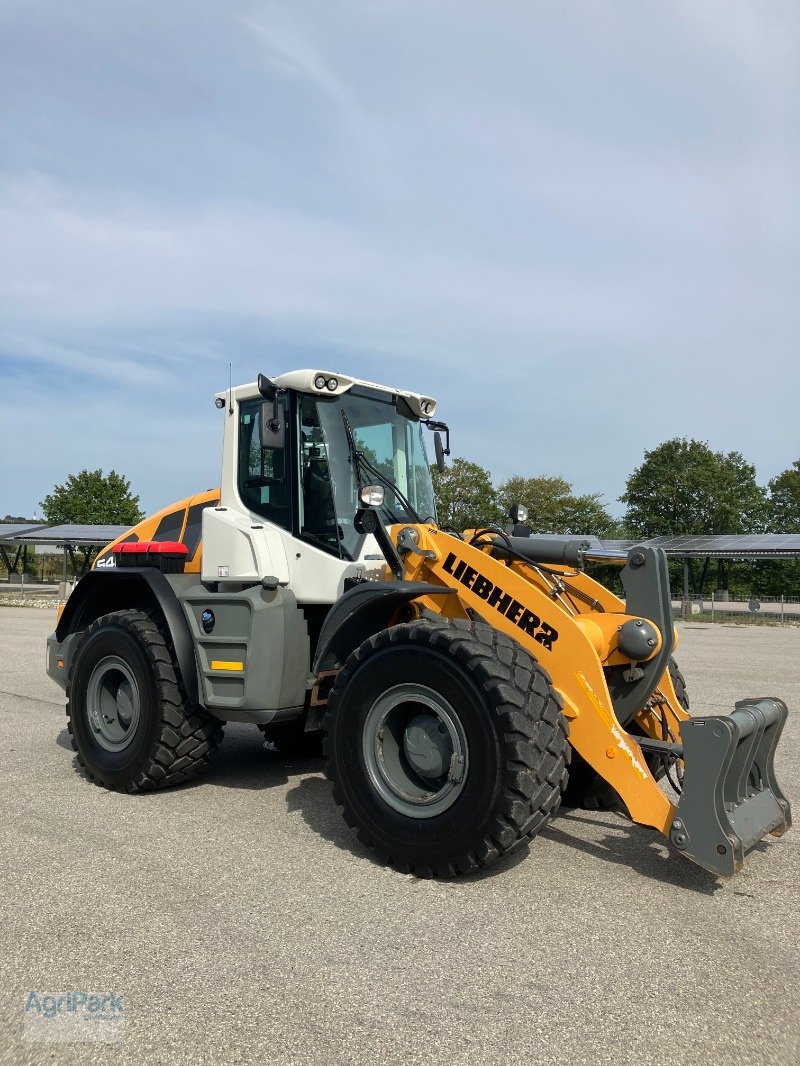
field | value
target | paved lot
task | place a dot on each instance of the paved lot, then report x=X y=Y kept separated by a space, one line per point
x=244 y=923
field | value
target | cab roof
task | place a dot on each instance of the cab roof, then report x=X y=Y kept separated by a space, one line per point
x=332 y=383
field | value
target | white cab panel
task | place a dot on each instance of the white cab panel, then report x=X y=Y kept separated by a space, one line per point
x=319 y=578
x=239 y=547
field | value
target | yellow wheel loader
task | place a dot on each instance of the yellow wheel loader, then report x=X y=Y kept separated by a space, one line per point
x=458 y=677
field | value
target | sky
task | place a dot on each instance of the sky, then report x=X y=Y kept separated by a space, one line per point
x=576 y=224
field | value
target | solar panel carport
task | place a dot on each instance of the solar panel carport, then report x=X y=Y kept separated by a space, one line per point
x=69 y=537
x=745 y=548
x=742 y=548
x=8 y=534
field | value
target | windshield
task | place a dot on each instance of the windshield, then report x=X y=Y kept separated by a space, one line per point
x=390 y=438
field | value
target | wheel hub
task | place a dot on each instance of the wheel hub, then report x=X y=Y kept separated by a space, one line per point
x=415 y=750
x=427 y=746
x=113 y=703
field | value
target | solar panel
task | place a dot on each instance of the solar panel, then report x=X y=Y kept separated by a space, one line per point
x=744 y=546
x=10 y=530
x=85 y=535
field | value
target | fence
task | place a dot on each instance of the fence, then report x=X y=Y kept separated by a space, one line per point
x=26 y=590
x=784 y=610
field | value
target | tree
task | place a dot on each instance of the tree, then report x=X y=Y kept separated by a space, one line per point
x=683 y=487
x=780 y=577
x=784 y=501
x=465 y=496
x=89 y=498
x=554 y=508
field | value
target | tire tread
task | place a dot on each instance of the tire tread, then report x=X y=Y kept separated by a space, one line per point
x=186 y=736
x=519 y=694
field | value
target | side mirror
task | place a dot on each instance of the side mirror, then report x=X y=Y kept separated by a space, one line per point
x=267 y=388
x=271 y=425
x=439 y=449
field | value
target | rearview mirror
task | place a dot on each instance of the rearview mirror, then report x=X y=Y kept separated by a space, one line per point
x=271 y=424
x=439 y=449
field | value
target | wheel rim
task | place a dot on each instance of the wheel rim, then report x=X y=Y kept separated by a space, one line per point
x=113 y=704
x=415 y=750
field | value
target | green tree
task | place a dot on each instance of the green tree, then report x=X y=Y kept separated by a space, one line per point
x=784 y=501
x=465 y=496
x=683 y=487
x=90 y=498
x=780 y=577
x=554 y=508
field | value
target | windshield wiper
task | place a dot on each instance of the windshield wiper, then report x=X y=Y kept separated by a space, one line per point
x=358 y=459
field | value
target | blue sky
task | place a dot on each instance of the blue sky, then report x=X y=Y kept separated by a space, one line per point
x=577 y=224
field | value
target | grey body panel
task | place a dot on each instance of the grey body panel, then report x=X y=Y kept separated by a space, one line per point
x=265 y=630
x=64 y=651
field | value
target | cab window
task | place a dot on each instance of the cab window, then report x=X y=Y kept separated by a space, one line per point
x=317 y=514
x=194 y=527
x=263 y=473
x=170 y=526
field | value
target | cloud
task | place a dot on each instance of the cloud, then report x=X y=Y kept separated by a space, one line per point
x=577 y=224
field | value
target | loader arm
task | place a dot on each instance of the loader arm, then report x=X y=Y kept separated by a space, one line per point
x=608 y=659
x=572 y=646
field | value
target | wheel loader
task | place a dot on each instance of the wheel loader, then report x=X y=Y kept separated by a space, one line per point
x=459 y=678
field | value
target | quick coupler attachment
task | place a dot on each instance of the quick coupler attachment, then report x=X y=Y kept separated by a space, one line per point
x=730 y=796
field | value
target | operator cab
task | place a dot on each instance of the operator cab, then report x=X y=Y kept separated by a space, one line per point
x=297 y=449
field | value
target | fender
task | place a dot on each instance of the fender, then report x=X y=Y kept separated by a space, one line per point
x=103 y=591
x=362 y=611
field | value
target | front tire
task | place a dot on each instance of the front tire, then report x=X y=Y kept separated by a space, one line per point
x=129 y=718
x=446 y=745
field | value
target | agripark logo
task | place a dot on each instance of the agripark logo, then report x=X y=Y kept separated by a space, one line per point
x=74 y=1017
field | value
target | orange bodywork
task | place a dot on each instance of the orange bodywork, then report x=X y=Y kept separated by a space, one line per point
x=571 y=631
x=176 y=518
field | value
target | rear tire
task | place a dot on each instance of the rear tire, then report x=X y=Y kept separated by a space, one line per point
x=446 y=745
x=131 y=723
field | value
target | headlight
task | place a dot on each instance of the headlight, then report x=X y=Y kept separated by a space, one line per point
x=319 y=382
x=333 y=384
x=371 y=495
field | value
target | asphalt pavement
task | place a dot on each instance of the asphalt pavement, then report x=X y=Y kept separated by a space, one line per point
x=241 y=921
